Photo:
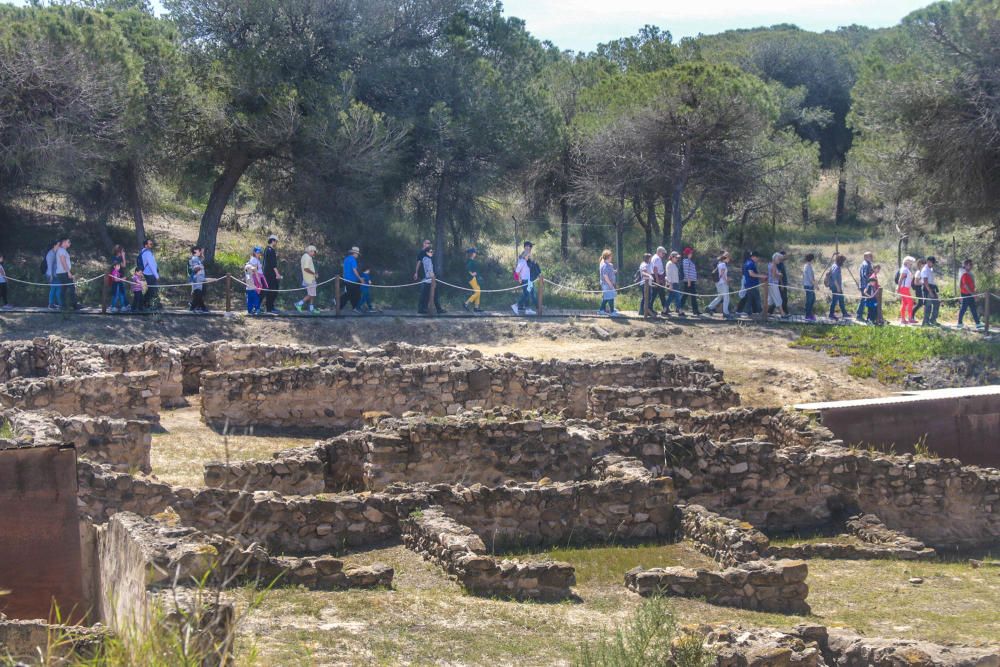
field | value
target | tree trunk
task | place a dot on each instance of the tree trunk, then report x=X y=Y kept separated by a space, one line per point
x=805 y=211
x=743 y=226
x=564 y=228
x=440 y=220
x=665 y=238
x=651 y=218
x=677 y=213
x=620 y=229
x=838 y=216
x=236 y=165
x=135 y=203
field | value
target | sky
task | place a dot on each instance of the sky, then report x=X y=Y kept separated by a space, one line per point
x=580 y=25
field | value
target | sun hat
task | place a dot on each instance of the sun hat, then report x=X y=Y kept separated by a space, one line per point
x=310 y=248
x=355 y=250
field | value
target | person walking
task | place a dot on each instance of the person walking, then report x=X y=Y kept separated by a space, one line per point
x=420 y=258
x=783 y=282
x=750 y=303
x=522 y=273
x=673 y=276
x=809 y=286
x=119 y=301
x=366 y=291
x=271 y=274
x=690 y=282
x=864 y=273
x=151 y=272
x=64 y=276
x=196 y=273
x=472 y=276
x=608 y=277
x=253 y=274
x=645 y=275
x=835 y=281
x=774 y=285
x=309 y=279
x=904 y=285
x=967 y=288
x=721 y=277
x=427 y=284
x=871 y=295
x=932 y=304
x=659 y=278
x=55 y=298
x=139 y=287
x=918 y=288
x=779 y=280
x=3 y=286
x=352 y=281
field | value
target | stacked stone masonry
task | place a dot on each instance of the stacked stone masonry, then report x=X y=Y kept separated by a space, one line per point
x=462 y=553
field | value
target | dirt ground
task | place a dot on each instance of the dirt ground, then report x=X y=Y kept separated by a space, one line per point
x=756 y=360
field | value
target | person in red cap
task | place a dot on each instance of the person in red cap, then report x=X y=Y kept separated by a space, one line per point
x=690 y=280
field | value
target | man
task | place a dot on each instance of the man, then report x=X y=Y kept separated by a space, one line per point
x=659 y=278
x=64 y=275
x=932 y=302
x=196 y=275
x=420 y=258
x=967 y=288
x=673 y=283
x=690 y=271
x=865 y=274
x=309 y=279
x=472 y=276
x=751 y=279
x=271 y=274
x=151 y=271
x=427 y=264
x=352 y=281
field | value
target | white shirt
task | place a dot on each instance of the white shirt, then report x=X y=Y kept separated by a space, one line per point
x=63 y=263
x=149 y=266
x=645 y=274
x=927 y=275
x=673 y=273
x=656 y=264
x=723 y=270
x=523 y=272
x=905 y=277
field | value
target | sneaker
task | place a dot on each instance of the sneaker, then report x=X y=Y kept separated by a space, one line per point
x=514 y=308
x=959 y=326
x=477 y=310
x=53 y=306
x=298 y=307
x=602 y=313
x=529 y=311
x=811 y=318
x=77 y=306
x=980 y=327
x=358 y=311
x=441 y=311
x=833 y=318
x=710 y=311
x=616 y=313
x=465 y=306
x=7 y=307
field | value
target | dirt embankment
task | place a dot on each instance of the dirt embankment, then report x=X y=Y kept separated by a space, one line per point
x=757 y=361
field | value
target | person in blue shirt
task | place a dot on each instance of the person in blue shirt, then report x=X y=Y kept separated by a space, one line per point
x=366 y=296
x=352 y=281
x=751 y=279
x=835 y=281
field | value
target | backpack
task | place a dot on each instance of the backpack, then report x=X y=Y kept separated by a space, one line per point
x=826 y=280
x=44 y=268
x=516 y=276
x=138 y=259
x=715 y=274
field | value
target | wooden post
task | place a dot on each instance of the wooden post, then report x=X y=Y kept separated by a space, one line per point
x=986 y=313
x=229 y=293
x=336 y=296
x=541 y=293
x=767 y=295
x=878 y=306
x=430 y=300
x=645 y=300
x=104 y=295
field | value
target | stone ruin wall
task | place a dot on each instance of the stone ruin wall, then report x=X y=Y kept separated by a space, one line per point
x=119 y=395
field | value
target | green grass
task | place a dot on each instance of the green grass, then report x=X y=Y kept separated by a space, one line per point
x=890 y=353
x=6 y=430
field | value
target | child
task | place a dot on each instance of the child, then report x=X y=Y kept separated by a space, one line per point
x=870 y=294
x=366 y=297
x=918 y=289
x=967 y=287
x=119 y=302
x=138 y=289
x=253 y=272
x=196 y=273
x=3 y=286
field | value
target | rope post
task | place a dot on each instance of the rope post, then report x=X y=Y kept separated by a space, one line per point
x=431 y=303
x=767 y=295
x=645 y=300
x=336 y=296
x=878 y=306
x=229 y=293
x=986 y=312
x=541 y=294
x=104 y=295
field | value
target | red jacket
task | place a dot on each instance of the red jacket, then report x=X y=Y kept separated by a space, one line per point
x=966 y=284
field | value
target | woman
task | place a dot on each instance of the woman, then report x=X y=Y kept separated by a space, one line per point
x=523 y=272
x=608 y=277
x=55 y=292
x=904 y=285
x=721 y=285
x=809 y=285
x=774 y=283
x=918 y=289
x=835 y=281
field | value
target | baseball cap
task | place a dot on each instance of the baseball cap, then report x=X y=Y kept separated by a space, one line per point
x=355 y=250
x=471 y=250
x=272 y=237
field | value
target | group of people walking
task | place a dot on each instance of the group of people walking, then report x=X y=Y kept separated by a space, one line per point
x=670 y=278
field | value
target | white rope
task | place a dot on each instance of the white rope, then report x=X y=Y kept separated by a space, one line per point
x=81 y=281
x=484 y=291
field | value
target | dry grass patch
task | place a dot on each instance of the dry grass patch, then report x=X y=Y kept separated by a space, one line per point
x=180 y=451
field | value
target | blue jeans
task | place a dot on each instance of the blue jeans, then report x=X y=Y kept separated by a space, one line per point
x=810 y=300
x=931 y=304
x=366 y=298
x=610 y=303
x=118 y=296
x=55 y=294
x=674 y=297
x=968 y=303
x=838 y=299
x=861 y=306
x=526 y=300
x=253 y=301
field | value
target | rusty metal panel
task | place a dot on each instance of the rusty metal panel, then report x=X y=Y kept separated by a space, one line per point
x=40 y=561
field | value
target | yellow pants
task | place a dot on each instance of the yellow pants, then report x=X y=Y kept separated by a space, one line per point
x=474 y=299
